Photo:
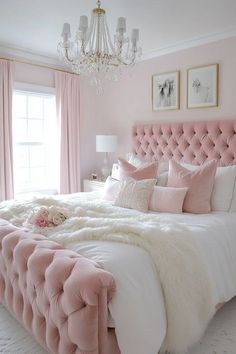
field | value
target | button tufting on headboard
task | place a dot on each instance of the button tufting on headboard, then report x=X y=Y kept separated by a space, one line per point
x=189 y=142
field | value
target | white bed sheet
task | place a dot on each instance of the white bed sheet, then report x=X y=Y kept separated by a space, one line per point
x=138 y=309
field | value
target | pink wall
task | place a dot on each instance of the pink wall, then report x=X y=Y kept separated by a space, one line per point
x=129 y=100
x=34 y=75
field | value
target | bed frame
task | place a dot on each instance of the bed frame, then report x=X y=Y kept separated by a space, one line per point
x=57 y=295
x=61 y=297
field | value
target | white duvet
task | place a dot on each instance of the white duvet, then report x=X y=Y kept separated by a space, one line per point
x=141 y=328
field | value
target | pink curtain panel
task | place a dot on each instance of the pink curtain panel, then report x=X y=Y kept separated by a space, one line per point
x=68 y=113
x=6 y=167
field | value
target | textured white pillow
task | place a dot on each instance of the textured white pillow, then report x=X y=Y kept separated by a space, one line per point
x=135 y=194
x=223 y=192
x=111 y=189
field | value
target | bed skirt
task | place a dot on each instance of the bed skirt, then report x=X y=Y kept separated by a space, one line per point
x=57 y=295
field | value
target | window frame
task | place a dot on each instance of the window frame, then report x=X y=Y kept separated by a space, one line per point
x=27 y=88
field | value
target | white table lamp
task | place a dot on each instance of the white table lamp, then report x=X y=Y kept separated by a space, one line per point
x=106 y=143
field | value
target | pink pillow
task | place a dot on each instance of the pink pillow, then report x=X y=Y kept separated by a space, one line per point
x=148 y=171
x=167 y=199
x=199 y=183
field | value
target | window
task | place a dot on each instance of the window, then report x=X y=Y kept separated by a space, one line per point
x=35 y=143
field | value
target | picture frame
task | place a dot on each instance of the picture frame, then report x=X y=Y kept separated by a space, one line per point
x=166 y=91
x=202 y=86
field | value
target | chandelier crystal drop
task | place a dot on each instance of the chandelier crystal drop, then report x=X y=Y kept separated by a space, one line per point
x=94 y=53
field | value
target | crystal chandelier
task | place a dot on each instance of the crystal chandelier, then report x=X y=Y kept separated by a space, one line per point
x=94 y=53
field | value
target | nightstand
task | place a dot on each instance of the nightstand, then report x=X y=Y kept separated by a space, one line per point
x=93 y=185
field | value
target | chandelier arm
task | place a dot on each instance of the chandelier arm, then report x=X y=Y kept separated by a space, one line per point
x=67 y=56
x=97 y=49
x=119 y=47
x=128 y=63
x=91 y=34
x=108 y=47
x=109 y=38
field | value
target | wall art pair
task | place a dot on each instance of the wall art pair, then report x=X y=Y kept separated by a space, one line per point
x=202 y=88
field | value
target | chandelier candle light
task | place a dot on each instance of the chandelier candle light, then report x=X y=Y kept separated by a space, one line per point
x=94 y=53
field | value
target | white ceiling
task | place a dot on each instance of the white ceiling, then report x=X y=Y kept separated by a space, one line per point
x=35 y=25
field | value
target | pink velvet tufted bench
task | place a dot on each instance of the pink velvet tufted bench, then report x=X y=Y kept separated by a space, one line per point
x=58 y=295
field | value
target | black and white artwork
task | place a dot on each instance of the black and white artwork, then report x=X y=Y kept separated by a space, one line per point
x=202 y=88
x=165 y=91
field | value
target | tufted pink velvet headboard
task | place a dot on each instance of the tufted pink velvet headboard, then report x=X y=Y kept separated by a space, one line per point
x=189 y=142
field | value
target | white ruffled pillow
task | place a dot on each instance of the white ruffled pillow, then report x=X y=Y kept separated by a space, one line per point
x=135 y=194
x=224 y=193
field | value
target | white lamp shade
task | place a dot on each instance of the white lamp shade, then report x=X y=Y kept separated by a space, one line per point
x=106 y=143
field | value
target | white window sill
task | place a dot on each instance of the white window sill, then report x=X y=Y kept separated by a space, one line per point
x=28 y=194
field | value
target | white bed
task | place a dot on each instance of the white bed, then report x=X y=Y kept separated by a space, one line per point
x=139 y=285
x=141 y=329
x=137 y=310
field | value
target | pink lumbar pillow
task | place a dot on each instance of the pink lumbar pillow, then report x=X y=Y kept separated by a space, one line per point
x=168 y=199
x=148 y=171
x=199 y=183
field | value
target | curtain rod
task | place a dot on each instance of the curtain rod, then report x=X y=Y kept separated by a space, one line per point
x=45 y=66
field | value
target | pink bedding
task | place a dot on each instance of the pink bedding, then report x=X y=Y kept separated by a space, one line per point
x=58 y=295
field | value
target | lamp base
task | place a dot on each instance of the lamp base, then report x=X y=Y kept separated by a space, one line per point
x=106 y=170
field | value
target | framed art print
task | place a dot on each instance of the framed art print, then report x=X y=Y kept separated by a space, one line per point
x=165 y=91
x=202 y=86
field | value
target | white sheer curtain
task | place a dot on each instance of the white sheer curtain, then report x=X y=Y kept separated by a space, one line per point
x=68 y=112
x=6 y=156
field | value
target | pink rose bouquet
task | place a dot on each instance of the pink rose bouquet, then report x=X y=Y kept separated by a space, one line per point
x=47 y=217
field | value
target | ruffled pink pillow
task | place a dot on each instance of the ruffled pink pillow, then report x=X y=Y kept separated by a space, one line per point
x=148 y=171
x=199 y=183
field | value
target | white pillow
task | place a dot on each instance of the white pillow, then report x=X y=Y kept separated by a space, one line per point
x=134 y=160
x=233 y=204
x=115 y=171
x=111 y=189
x=224 y=187
x=162 y=179
x=135 y=194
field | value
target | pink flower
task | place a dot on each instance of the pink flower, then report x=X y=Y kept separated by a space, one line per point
x=47 y=217
x=40 y=222
x=44 y=212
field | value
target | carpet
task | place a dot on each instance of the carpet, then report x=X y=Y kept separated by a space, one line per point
x=220 y=337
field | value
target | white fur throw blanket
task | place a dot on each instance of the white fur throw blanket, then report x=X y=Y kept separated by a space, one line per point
x=177 y=256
